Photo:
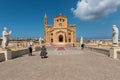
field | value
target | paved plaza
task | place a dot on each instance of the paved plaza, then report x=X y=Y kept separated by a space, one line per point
x=66 y=64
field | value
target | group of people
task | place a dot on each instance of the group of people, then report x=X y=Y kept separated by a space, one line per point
x=43 y=52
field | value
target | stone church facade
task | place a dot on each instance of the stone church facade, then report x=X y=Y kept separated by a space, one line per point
x=60 y=32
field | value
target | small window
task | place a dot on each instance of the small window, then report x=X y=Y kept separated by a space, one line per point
x=60 y=19
x=69 y=33
x=57 y=20
x=51 y=34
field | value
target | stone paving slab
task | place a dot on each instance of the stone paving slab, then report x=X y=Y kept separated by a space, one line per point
x=82 y=66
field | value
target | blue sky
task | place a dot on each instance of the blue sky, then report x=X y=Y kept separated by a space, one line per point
x=93 y=20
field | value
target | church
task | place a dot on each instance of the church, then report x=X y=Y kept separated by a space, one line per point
x=60 y=32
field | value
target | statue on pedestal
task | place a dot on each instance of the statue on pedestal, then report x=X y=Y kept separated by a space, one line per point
x=115 y=34
x=5 y=37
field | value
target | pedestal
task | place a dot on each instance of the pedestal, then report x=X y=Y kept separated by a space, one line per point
x=7 y=54
x=113 y=52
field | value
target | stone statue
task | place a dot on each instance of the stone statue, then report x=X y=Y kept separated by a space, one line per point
x=40 y=41
x=5 y=37
x=115 y=34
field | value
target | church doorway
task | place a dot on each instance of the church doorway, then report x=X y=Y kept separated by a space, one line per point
x=60 y=38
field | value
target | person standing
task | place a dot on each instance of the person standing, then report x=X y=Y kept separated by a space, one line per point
x=30 y=50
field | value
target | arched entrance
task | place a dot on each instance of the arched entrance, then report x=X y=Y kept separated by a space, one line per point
x=61 y=38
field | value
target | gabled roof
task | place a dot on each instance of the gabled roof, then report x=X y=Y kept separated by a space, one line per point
x=60 y=15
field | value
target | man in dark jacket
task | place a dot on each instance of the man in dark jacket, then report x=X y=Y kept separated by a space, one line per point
x=43 y=53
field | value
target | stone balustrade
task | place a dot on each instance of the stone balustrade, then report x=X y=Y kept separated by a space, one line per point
x=113 y=52
x=7 y=55
x=99 y=50
x=18 y=53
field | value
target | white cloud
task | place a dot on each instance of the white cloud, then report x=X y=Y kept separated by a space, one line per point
x=94 y=9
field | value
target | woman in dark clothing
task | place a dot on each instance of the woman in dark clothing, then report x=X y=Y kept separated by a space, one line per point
x=43 y=53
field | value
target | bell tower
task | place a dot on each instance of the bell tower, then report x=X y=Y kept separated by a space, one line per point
x=45 y=20
x=45 y=24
